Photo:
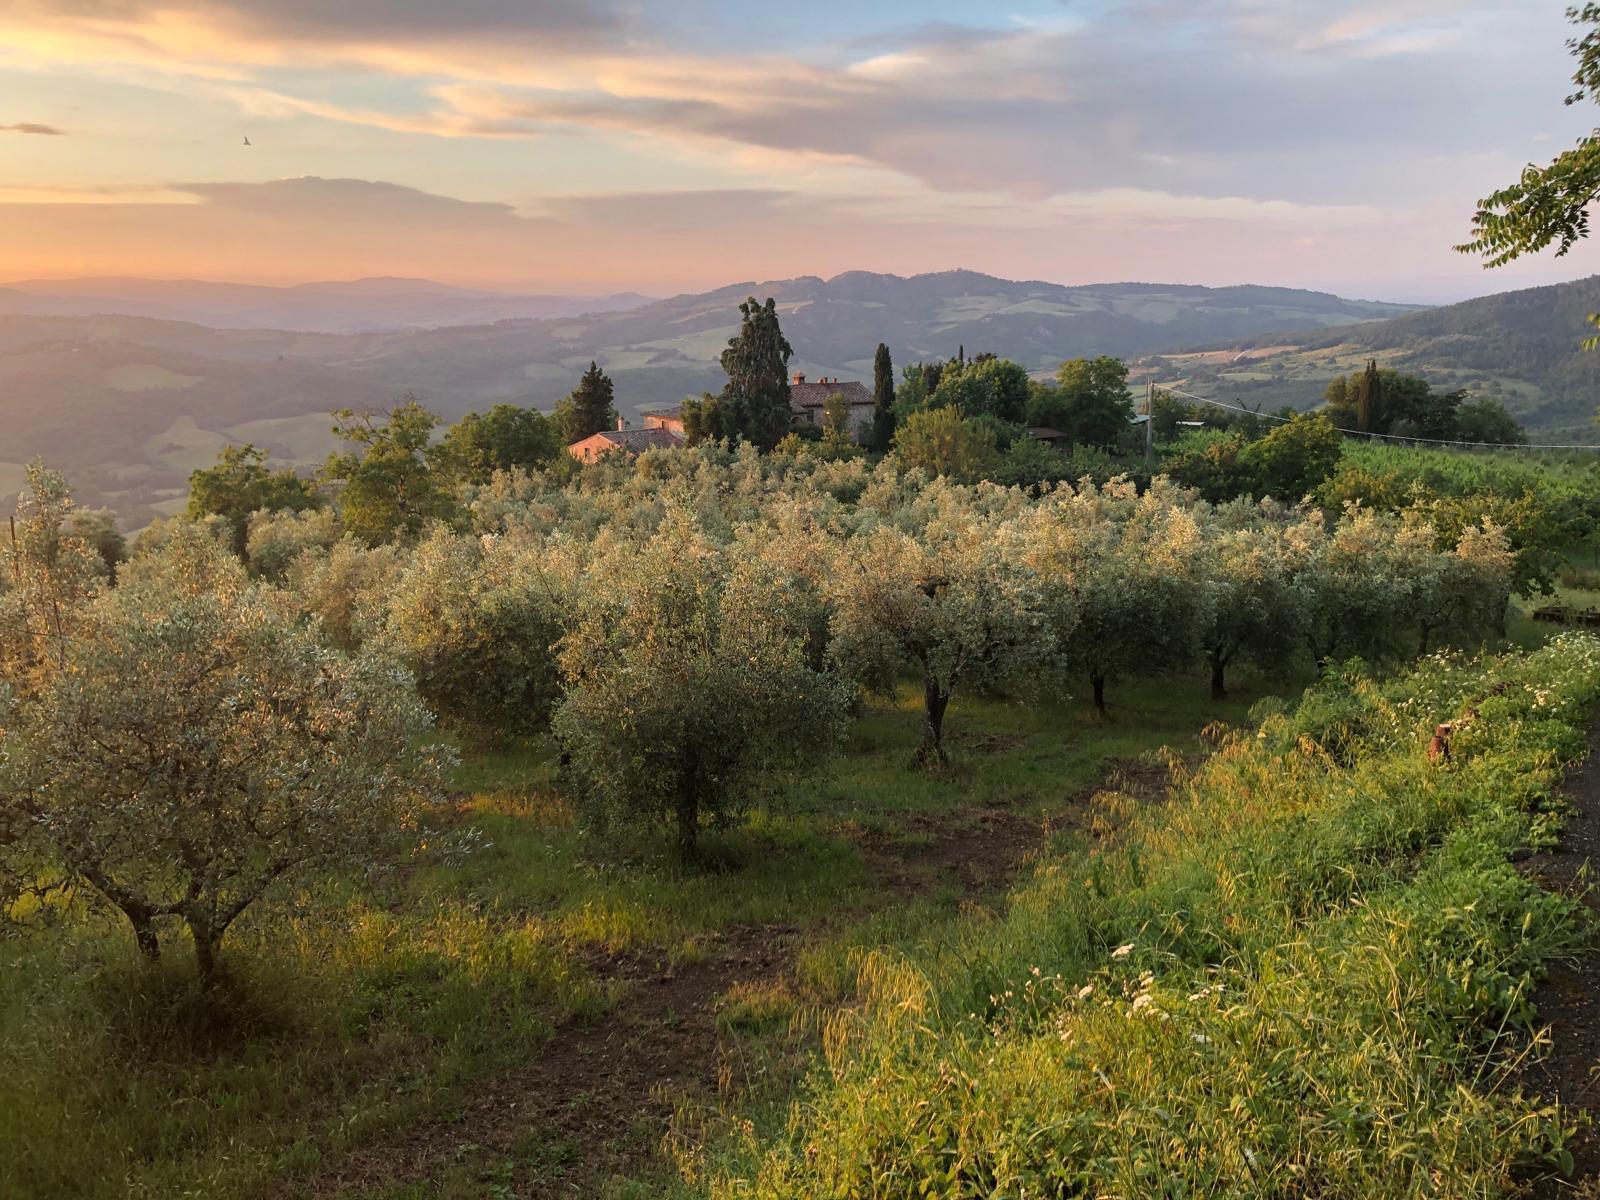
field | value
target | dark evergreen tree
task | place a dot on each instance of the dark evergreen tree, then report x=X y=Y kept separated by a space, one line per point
x=1375 y=394
x=1367 y=399
x=882 y=399
x=592 y=406
x=757 y=363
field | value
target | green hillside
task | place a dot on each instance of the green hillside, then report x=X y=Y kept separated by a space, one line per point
x=1524 y=348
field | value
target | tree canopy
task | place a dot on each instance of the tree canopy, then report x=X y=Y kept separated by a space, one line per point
x=189 y=743
x=505 y=438
x=757 y=366
x=391 y=485
x=590 y=409
x=242 y=483
x=1385 y=401
x=1090 y=402
x=882 y=399
x=1548 y=205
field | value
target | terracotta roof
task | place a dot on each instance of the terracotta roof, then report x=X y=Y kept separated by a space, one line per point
x=640 y=439
x=814 y=395
x=633 y=440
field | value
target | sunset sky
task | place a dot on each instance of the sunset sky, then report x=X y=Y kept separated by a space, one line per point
x=592 y=146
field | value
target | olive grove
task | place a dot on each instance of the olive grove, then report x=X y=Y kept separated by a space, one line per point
x=685 y=627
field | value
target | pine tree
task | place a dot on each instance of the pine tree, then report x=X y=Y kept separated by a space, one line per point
x=592 y=406
x=757 y=363
x=882 y=399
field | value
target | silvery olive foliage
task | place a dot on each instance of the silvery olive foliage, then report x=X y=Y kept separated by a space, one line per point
x=688 y=683
x=46 y=574
x=273 y=540
x=476 y=618
x=688 y=625
x=346 y=588
x=189 y=743
x=954 y=601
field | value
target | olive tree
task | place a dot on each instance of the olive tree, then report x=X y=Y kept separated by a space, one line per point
x=47 y=573
x=197 y=745
x=1249 y=607
x=688 y=685
x=1129 y=562
x=275 y=538
x=953 y=601
x=1359 y=586
x=1462 y=593
x=476 y=619
x=346 y=588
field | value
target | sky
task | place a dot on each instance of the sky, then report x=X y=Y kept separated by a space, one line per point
x=592 y=146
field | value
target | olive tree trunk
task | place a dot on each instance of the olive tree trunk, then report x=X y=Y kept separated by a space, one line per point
x=930 y=753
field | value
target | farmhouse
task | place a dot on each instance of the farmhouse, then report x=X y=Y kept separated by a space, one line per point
x=669 y=419
x=630 y=441
x=808 y=399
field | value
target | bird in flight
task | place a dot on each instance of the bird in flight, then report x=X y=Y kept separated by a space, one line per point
x=247 y=139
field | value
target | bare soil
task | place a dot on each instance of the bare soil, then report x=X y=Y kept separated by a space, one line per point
x=599 y=1096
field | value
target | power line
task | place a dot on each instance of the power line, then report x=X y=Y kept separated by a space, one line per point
x=1387 y=437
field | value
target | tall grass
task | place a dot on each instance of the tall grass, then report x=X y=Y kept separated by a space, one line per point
x=1309 y=975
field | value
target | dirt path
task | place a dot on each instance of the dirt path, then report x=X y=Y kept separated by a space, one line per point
x=597 y=1098
x=1569 y=999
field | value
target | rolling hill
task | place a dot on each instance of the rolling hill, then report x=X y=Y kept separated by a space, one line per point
x=129 y=404
x=356 y=306
x=1524 y=348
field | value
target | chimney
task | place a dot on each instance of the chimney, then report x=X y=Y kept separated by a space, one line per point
x=622 y=423
x=799 y=376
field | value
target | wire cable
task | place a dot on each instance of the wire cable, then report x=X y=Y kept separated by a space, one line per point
x=1386 y=437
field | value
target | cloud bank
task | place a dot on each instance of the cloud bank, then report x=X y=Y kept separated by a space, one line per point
x=1215 y=140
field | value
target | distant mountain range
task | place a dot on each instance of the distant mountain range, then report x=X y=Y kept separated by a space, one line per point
x=129 y=401
x=1524 y=348
x=357 y=306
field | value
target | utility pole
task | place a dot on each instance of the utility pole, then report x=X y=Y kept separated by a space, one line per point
x=1150 y=423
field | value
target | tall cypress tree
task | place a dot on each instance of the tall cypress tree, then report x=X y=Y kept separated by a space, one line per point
x=592 y=405
x=1368 y=399
x=757 y=363
x=882 y=399
x=1377 y=421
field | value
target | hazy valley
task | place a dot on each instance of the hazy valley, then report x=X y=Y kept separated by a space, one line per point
x=129 y=404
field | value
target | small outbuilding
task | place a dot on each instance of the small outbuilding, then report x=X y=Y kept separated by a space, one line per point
x=630 y=441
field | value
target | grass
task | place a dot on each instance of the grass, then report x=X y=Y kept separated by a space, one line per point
x=1325 y=986
x=1310 y=975
x=357 y=1007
